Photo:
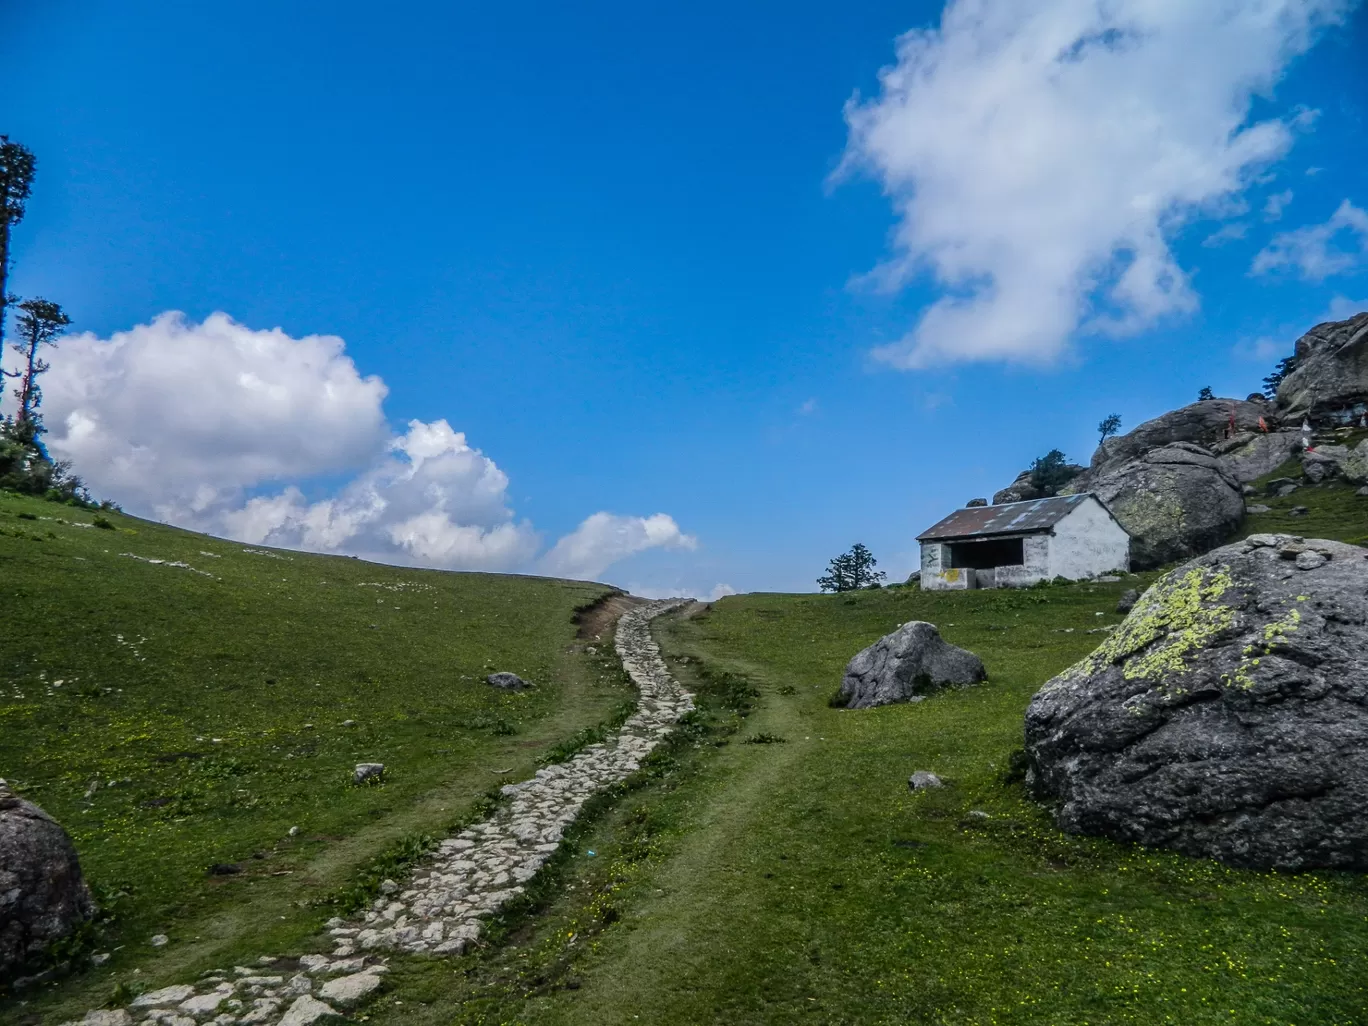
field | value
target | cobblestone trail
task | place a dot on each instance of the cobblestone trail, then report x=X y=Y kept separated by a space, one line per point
x=441 y=908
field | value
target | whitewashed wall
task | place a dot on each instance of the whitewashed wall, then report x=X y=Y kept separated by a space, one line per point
x=1088 y=542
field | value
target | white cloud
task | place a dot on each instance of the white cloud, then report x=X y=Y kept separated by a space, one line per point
x=1040 y=155
x=218 y=427
x=720 y=591
x=1262 y=349
x=603 y=539
x=1341 y=308
x=1311 y=250
x=1276 y=204
x=176 y=418
x=1227 y=233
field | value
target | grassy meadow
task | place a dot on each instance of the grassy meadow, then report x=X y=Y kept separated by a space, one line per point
x=180 y=720
x=772 y=867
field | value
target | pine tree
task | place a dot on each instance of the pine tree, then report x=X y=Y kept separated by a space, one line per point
x=41 y=323
x=16 y=181
x=851 y=570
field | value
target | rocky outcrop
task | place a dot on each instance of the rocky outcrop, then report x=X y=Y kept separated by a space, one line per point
x=43 y=896
x=1205 y=423
x=1332 y=461
x=1022 y=489
x=1227 y=717
x=1328 y=384
x=1249 y=455
x=1175 y=502
x=906 y=666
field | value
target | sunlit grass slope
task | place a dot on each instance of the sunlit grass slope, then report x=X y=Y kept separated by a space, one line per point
x=796 y=878
x=180 y=703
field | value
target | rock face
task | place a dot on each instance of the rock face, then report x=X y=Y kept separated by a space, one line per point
x=1175 y=502
x=1022 y=489
x=1227 y=717
x=43 y=896
x=906 y=666
x=1202 y=423
x=1248 y=455
x=1329 y=383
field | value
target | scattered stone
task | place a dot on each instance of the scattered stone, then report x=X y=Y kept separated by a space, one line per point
x=508 y=681
x=388 y=886
x=1275 y=486
x=348 y=723
x=305 y=1011
x=923 y=779
x=105 y=1017
x=292 y=832
x=159 y=940
x=1310 y=560
x=1227 y=718
x=1127 y=600
x=1362 y=491
x=1257 y=507
x=907 y=665
x=164 y=998
x=43 y=896
x=368 y=771
x=1298 y=511
x=349 y=990
x=1286 y=490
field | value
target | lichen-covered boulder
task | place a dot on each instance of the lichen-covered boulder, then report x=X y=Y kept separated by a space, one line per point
x=1227 y=716
x=906 y=666
x=43 y=896
x=1175 y=502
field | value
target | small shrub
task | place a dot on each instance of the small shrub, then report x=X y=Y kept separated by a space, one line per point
x=27 y=516
x=103 y=523
x=765 y=739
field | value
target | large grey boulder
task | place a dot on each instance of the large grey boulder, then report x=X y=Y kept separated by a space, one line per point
x=1205 y=423
x=1175 y=502
x=43 y=896
x=906 y=666
x=1227 y=717
x=1253 y=454
x=1022 y=490
x=1337 y=461
x=1329 y=382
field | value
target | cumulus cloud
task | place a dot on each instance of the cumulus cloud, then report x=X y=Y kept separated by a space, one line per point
x=177 y=418
x=1040 y=156
x=1341 y=308
x=220 y=428
x=1276 y=204
x=1312 y=250
x=603 y=539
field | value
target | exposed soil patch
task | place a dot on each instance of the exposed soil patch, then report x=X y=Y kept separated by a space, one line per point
x=596 y=620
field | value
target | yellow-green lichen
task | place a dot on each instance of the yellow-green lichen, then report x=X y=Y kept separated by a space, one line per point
x=1180 y=615
x=1273 y=634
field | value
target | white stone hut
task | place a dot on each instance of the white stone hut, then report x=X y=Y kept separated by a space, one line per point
x=1020 y=543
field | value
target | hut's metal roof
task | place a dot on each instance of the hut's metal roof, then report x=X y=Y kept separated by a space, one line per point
x=1029 y=517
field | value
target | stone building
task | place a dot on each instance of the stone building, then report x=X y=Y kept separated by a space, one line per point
x=1019 y=543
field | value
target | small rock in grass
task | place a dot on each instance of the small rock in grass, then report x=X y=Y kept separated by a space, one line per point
x=508 y=681
x=160 y=940
x=369 y=771
x=293 y=831
x=1127 y=600
x=1257 y=507
x=923 y=779
x=107 y=1017
x=388 y=886
x=348 y=723
x=1363 y=491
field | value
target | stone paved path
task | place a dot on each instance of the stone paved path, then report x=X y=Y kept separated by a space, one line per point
x=441 y=908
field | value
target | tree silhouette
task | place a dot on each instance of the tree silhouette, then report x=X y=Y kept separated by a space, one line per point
x=851 y=570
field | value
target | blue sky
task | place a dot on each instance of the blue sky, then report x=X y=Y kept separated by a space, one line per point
x=627 y=251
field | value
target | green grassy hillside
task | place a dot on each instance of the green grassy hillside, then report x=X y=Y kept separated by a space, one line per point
x=181 y=717
x=796 y=879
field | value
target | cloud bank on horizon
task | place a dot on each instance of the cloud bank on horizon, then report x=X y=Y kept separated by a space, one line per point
x=1040 y=159
x=184 y=422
